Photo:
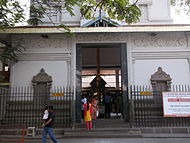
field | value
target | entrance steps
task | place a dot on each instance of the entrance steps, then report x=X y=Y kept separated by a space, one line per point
x=78 y=133
x=103 y=133
x=103 y=128
x=105 y=123
x=117 y=128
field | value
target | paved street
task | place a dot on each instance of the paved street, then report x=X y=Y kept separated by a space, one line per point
x=121 y=140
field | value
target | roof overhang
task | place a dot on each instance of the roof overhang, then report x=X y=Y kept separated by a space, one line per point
x=128 y=29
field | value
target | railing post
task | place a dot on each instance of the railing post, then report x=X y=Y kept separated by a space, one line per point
x=131 y=121
x=72 y=108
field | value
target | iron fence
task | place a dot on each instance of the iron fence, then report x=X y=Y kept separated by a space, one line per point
x=147 y=107
x=25 y=105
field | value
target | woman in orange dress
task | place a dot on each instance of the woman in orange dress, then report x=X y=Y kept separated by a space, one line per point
x=88 y=115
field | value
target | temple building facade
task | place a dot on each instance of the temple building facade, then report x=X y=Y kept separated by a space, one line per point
x=153 y=52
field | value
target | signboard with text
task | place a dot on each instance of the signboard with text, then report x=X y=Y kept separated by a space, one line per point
x=146 y=93
x=176 y=104
x=58 y=94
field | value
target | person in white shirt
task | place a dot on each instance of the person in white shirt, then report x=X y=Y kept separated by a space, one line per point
x=83 y=101
x=45 y=116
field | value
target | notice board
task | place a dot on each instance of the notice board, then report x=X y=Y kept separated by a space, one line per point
x=176 y=104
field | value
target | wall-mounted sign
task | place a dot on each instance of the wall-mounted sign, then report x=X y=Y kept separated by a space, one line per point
x=58 y=94
x=146 y=93
x=176 y=104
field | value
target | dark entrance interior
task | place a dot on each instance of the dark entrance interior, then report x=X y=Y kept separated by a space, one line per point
x=100 y=72
x=101 y=76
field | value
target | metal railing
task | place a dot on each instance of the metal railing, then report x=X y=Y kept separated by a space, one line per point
x=147 y=108
x=25 y=105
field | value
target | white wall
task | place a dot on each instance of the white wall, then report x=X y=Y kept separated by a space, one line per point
x=23 y=72
x=178 y=69
x=57 y=55
x=63 y=17
x=159 y=10
x=67 y=17
x=158 y=13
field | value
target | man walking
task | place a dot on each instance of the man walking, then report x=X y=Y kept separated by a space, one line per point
x=48 y=125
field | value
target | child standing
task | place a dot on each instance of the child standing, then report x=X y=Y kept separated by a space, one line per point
x=88 y=115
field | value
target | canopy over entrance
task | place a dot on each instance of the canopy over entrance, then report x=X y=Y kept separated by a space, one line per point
x=101 y=22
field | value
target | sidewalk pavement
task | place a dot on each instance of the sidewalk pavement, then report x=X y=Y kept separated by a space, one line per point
x=118 y=140
x=145 y=138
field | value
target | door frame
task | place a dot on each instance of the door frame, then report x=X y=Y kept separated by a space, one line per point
x=124 y=78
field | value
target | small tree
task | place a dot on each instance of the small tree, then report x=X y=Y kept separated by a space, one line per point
x=181 y=5
x=10 y=13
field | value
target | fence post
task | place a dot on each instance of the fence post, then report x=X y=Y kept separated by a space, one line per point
x=72 y=108
x=3 y=104
x=131 y=107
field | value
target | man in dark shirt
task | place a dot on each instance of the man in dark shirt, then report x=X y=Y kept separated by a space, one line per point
x=107 y=102
x=48 y=125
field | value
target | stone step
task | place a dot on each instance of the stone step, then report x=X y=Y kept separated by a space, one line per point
x=82 y=133
x=101 y=132
x=103 y=135
x=125 y=132
x=105 y=123
x=18 y=131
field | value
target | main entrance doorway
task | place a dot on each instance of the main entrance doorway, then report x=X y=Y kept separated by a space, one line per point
x=102 y=74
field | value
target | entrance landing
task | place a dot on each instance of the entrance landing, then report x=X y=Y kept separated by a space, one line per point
x=104 y=128
x=105 y=123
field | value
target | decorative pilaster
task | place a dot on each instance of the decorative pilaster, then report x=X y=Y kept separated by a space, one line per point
x=158 y=78
x=42 y=83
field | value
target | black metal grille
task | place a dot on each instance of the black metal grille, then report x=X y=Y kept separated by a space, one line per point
x=147 y=110
x=25 y=105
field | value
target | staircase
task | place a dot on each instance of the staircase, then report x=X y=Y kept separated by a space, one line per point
x=103 y=128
